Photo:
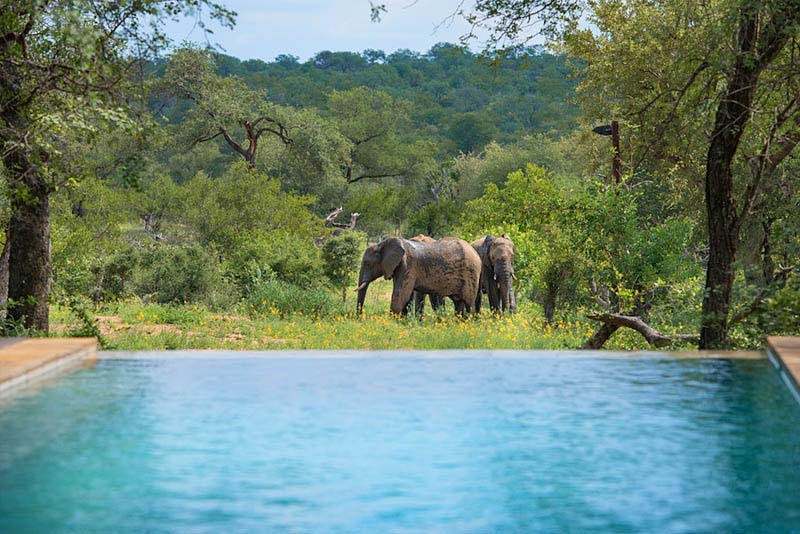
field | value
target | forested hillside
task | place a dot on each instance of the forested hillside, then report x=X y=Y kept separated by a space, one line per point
x=377 y=125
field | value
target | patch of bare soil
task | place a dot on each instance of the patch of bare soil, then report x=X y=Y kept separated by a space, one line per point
x=234 y=337
x=110 y=323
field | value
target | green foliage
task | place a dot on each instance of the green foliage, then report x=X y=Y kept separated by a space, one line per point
x=563 y=234
x=341 y=254
x=280 y=254
x=245 y=201
x=178 y=273
x=274 y=297
x=87 y=326
x=86 y=231
x=434 y=219
x=471 y=131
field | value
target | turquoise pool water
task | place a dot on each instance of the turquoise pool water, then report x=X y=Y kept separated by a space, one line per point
x=404 y=444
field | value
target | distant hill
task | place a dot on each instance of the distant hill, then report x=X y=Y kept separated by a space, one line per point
x=452 y=89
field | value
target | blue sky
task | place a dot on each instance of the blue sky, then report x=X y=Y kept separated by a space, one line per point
x=267 y=28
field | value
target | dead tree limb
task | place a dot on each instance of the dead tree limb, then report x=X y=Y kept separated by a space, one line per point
x=330 y=220
x=613 y=321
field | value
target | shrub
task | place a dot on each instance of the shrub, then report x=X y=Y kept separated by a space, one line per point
x=340 y=254
x=178 y=273
x=274 y=297
x=266 y=256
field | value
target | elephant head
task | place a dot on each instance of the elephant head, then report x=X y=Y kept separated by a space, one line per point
x=497 y=255
x=383 y=259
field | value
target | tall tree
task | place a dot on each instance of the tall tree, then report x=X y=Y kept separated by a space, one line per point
x=60 y=62
x=223 y=106
x=722 y=77
x=719 y=121
x=763 y=30
x=300 y=145
x=373 y=122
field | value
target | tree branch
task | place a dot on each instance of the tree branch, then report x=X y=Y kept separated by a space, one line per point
x=351 y=180
x=236 y=146
x=652 y=336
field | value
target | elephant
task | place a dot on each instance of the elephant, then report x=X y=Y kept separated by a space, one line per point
x=497 y=260
x=437 y=301
x=449 y=268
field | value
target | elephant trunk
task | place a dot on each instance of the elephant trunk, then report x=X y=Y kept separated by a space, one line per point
x=363 y=284
x=504 y=274
x=362 y=294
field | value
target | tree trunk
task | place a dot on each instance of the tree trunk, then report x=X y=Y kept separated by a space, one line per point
x=733 y=114
x=29 y=263
x=549 y=301
x=4 y=257
x=767 y=263
x=764 y=30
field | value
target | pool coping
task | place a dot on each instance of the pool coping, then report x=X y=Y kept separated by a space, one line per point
x=784 y=353
x=364 y=354
x=25 y=361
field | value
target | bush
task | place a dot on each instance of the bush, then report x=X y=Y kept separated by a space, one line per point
x=178 y=273
x=260 y=256
x=341 y=254
x=114 y=277
x=274 y=297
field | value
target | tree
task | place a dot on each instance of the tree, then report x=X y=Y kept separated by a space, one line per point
x=340 y=254
x=471 y=131
x=223 y=106
x=720 y=121
x=739 y=41
x=372 y=122
x=61 y=62
x=763 y=30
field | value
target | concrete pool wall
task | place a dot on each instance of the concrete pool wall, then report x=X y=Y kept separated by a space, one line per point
x=24 y=362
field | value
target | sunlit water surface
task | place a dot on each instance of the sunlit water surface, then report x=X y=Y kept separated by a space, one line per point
x=404 y=444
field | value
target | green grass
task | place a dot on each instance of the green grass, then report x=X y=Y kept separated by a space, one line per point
x=133 y=325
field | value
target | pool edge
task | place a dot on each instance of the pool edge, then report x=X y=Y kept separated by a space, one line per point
x=362 y=354
x=25 y=362
x=784 y=353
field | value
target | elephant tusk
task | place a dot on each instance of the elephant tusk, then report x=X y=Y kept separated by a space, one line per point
x=514 y=276
x=362 y=286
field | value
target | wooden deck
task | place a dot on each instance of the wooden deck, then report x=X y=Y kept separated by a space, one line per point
x=784 y=352
x=25 y=361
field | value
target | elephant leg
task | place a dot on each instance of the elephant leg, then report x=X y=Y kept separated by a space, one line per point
x=401 y=295
x=408 y=306
x=419 y=302
x=494 y=295
x=512 y=306
x=478 y=301
x=436 y=301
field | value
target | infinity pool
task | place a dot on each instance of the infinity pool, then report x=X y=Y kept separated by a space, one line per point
x=404 y=444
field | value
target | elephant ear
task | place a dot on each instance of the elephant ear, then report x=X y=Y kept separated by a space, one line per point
x=506 y=236
x=487 y=245
x=391 y=256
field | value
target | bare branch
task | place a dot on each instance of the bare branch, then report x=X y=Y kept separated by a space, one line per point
x=653 y=337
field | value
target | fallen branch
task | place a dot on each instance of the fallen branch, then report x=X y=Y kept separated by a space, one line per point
x=613 y=321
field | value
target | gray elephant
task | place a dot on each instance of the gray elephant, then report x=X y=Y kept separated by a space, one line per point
x=497 y=260
x=437 y=301
x=449 y=268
